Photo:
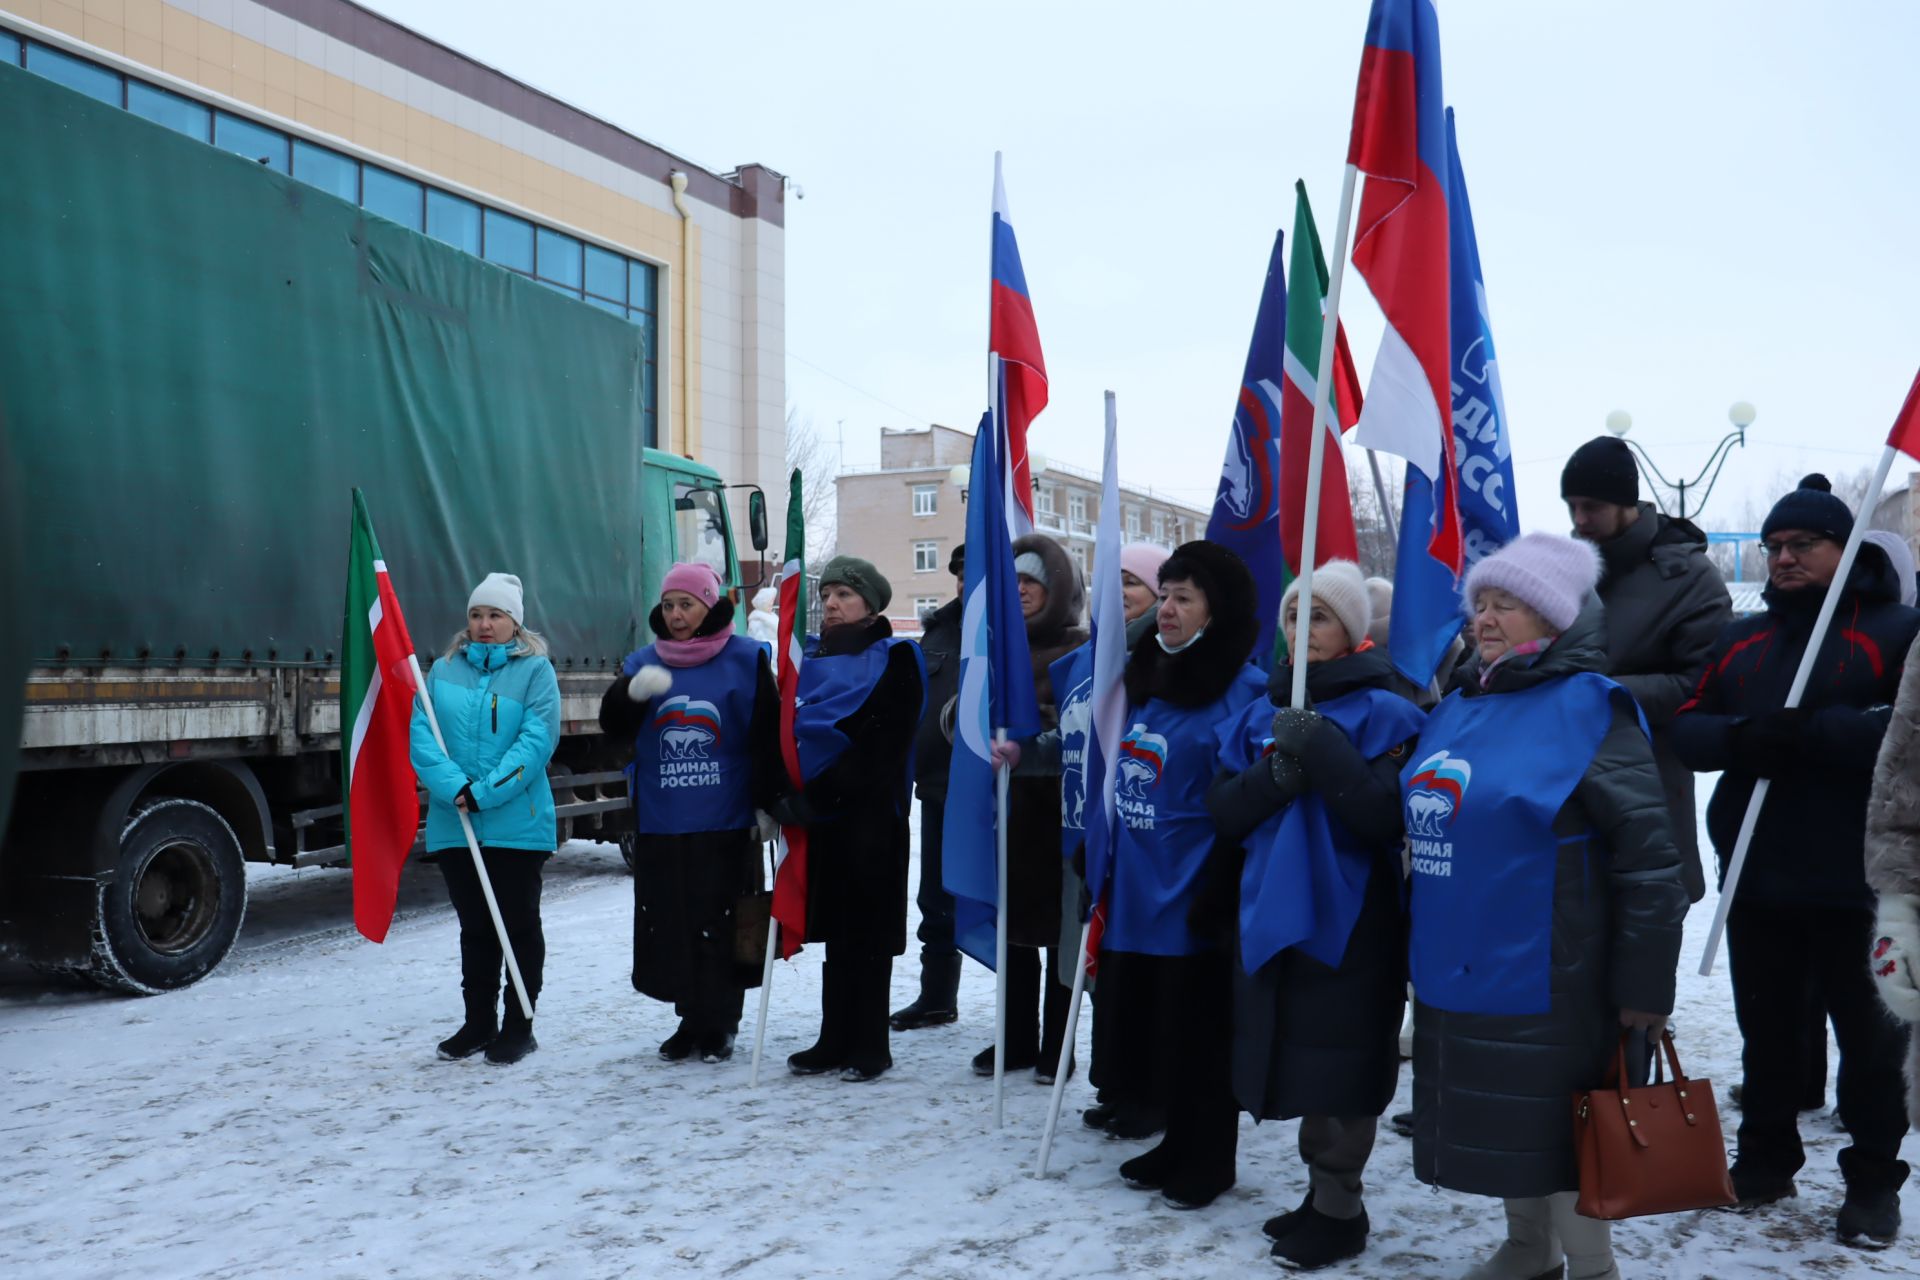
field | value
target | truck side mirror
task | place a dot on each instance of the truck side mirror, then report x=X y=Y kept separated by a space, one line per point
x=757 y=519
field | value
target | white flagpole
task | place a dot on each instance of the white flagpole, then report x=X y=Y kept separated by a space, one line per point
x=1066 y=1049
x=473 y=847
x=1317 y=449
x=1799 y=687
x=1000 y=942
x=766 y=986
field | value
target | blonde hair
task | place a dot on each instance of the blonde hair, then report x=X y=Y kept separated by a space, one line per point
x=526 y=643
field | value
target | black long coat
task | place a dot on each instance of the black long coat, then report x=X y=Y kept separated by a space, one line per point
x=857 y=839
x=1309 y=1038
x=1033 y=802
x=1491 y=1092
x=685 y=887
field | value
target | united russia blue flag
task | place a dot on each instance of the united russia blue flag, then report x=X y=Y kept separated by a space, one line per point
x=1426 y=595
x=1246 y=507
x=996 y=693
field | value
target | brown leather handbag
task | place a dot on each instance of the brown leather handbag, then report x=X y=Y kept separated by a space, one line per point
x=1652 y=1149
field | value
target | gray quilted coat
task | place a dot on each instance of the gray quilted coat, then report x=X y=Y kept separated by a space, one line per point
x=1492 y=1092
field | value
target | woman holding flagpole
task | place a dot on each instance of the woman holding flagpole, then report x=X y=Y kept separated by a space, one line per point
x=498 y=702
x=859 y=703
x=700 y=707
x=1546 y=902
x=1312 y=794
x=1164 y=1003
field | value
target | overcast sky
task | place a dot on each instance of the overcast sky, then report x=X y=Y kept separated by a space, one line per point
x=1678 y=205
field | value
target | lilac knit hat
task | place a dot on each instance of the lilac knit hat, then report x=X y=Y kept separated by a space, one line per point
x=696 y=579
x=1551 y=574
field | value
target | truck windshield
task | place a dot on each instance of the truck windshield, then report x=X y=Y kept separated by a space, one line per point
x=699 y=528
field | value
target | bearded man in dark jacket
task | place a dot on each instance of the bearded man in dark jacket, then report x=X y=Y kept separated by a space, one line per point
x=1666 y=605
x=1802 y=912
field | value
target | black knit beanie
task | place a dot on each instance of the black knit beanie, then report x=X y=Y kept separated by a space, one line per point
x=1602 y=469
x=1811 y=507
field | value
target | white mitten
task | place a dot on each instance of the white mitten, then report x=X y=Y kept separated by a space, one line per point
x=769 y=829
x=1895 y=958
x=649 y=682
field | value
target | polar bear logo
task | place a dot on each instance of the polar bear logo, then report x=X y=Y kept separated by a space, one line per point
x=689 y=728
x=1435 y=793
x=1142 y=757
x=1076 y=716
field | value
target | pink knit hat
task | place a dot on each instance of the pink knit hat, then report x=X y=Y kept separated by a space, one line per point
x=1143 y=561
x=1551 y=574
x=697 y=580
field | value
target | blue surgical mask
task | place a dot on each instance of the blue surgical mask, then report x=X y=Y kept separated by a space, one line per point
x=1188 y=643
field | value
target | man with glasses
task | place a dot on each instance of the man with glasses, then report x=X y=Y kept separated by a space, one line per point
x=1799 y=926
x=1666 y=605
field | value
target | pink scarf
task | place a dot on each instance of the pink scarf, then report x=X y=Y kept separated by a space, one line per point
x=692 y=652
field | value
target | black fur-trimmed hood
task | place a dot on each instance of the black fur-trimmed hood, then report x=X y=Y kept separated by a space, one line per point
x=1203 y=672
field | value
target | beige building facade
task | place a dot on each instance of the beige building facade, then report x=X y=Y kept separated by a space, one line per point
x=908 y=514
x=359 y=105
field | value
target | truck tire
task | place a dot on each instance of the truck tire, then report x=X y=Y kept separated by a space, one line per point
x=627 y=839
x=174 y=906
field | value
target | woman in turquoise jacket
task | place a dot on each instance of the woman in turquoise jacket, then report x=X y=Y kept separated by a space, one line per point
x=498 y=705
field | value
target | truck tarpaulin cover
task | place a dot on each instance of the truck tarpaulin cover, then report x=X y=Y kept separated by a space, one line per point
x=199 y=359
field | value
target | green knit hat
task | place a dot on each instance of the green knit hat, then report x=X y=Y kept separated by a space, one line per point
x=859 y=576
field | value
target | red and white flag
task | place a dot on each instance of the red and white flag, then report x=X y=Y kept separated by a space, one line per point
x=380 y=803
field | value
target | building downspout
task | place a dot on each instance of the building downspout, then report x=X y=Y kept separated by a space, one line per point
x=691 y=434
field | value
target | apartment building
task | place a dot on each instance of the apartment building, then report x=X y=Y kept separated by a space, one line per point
x=908 y=514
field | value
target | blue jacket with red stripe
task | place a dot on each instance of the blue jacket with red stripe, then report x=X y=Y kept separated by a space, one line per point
x=1807 y=849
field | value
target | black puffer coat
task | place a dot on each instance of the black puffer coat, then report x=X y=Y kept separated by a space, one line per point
x=940 y=656
x=857 y=837
x=1491 y=1092
x=1309 y=1039
x=1806 y=849
x=1666 y=605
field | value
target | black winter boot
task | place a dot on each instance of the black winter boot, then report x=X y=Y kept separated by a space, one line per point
x=829 y=1051
x=1870 y=1214
x=678 y=1047
x=938 y=1003
x=1277 y=1227
x=514 y=1042
x=869 y=1056
x=474 y=1035
x=1320 y=1241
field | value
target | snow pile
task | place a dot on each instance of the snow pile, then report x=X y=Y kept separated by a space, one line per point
x=287 y=1117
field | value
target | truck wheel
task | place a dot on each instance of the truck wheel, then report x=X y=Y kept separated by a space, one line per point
x=626 y=849
x=175 y=904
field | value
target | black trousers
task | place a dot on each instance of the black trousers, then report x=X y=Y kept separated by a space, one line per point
x=515 y=876
x=1783 y=960
x=854 y=982
x=1037 y=1006
x=939 y=959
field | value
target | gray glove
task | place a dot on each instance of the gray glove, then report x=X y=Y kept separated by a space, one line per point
x=1293 y=727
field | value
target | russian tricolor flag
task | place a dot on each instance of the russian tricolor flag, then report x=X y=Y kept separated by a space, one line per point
x=1400 y=246
x=1020 y=393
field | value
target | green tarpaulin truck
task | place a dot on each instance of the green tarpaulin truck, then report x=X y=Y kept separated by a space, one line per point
x=199 y=359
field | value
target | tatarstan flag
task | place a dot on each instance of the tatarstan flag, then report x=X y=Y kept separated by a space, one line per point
x=790 y=868
x=379 y=796
x=1306 y=320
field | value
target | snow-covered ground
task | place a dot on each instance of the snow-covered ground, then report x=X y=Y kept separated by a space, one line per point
x=287 y=1117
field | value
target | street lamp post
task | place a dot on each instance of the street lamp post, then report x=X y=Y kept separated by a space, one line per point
x=1740 y=414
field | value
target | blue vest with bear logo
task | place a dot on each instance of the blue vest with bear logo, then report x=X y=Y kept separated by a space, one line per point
x=692 y=759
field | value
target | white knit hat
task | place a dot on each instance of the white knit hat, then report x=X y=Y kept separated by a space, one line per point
x=500 y=591
x=1549 y=573
x=1338 y=585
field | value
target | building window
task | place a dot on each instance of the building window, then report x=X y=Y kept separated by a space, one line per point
x=393 y=197
x=1133 y=524
x=509 y=241
x=607 y=277
x=89 y=78
x=182 y=115
x=1043 y=501
x=254 y=141
x=925 y=499
x=926 y=604
x=330 y=171
x=1159 y=526
x=453 y=221
x=559 y=260
x=926 y=557
x=1080 y=557
x=1077 y=507
x=10 y=47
